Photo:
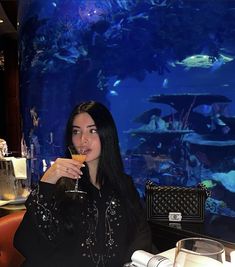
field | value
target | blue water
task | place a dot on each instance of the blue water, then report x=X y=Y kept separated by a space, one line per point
x=121 y=53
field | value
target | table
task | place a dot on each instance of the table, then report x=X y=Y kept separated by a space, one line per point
x=220 y=228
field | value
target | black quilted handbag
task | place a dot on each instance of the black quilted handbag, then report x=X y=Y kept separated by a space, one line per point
x=173 y=203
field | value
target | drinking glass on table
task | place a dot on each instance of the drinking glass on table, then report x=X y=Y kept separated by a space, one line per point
x=198 y=252
x=77 y=153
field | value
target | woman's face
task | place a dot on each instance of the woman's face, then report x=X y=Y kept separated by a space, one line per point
x=84 y=134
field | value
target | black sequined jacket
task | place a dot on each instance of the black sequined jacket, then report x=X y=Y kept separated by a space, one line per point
x=102 y=236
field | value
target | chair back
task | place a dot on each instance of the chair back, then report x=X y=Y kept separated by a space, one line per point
x=9 y=256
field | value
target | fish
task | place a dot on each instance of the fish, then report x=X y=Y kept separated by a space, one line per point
x=116 y=83
x=203 y=61
x=113 y=93
x=70 y=54
x=165 y=83
x=209 y=183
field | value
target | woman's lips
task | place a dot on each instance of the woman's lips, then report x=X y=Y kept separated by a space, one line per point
x=86 y=151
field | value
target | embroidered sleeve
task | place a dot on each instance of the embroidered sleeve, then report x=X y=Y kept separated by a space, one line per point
x=42 y=206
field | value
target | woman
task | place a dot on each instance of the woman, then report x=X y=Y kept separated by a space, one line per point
x=105 y=228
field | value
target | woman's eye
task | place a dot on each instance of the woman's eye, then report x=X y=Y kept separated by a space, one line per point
x=75 y=131
x=93 y=130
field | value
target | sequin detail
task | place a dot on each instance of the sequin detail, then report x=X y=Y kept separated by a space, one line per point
x=112 y=221
x=42 y=210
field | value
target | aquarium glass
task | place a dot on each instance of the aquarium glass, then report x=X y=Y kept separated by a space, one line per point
x=165 y=69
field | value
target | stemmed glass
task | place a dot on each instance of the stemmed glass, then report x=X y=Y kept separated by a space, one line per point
x=196 y=252
x=77 y=153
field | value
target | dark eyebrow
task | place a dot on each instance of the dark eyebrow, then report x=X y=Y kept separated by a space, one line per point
x=89 y=126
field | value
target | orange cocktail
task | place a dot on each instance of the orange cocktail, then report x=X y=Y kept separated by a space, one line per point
x=79 y=157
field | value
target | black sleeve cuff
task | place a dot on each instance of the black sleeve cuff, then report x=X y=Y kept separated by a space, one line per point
x=46 y=189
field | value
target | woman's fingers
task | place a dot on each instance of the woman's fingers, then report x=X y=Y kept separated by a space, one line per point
x=70 y=172
x=63 y=167
x=68 y=168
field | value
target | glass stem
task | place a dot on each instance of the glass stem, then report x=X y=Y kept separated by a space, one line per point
x=76 y=185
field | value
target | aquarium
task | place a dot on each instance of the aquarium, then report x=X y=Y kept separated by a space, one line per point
x=164 y=68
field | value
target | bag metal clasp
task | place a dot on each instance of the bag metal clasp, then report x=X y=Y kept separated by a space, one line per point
x=175 y=216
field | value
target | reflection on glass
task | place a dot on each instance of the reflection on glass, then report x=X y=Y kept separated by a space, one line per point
x=197 y=252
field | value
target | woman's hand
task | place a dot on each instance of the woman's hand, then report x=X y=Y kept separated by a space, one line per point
x=62 y=167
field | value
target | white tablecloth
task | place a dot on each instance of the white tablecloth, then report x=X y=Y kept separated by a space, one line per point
x=170 y=254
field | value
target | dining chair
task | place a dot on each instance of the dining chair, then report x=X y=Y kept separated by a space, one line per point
x=9 y=256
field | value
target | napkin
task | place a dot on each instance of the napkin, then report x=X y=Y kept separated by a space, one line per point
x=141 y=258
x=232 y=256
x=19 y=166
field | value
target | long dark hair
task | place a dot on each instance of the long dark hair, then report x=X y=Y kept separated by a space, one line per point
x=110 y=164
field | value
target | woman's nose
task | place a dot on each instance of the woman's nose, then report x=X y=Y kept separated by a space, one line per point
x=84 y=139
